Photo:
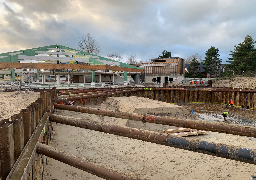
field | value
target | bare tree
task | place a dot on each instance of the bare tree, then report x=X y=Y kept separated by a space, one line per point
x=193 y=56
x=132 y=59
x=88 y=44
x=115 y=56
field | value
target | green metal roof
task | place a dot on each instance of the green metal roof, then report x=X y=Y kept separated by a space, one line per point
x=93 y=59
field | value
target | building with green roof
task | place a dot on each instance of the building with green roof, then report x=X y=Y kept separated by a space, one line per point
x=58 y=54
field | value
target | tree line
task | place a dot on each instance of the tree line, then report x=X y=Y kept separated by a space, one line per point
x=242 y=61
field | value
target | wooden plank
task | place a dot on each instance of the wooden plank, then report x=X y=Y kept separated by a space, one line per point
x=7 y=147
x=18 y=135
x=23 y=165
x=184 y=132
x=26 y=124
x=177 y=130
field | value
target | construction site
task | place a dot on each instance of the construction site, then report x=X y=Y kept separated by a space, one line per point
x=120 y=128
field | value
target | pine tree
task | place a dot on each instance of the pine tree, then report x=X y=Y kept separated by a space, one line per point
x=193 y=67
x=166 y=54
x=212 y=61
x=243 y=60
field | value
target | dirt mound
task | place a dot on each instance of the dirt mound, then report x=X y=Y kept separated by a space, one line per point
x=129 y=104
x=142 y=105
x=238 y=82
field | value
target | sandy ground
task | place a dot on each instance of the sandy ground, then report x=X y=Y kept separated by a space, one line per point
x=142 y=159
x=12 y=102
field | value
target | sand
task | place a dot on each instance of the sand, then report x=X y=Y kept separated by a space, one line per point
x=142 y=159
x=12 y=102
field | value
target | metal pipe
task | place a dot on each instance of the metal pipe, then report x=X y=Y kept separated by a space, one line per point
x=80 y=163
x=131 y=116
x=194 y=124
x=84 y=92
x=216 y=149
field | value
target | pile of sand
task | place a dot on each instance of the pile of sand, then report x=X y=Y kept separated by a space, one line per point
x=12 y=102
x=142 y=105
x=129 y=104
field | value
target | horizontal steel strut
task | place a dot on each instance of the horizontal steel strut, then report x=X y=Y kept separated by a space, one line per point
x=80 y=163
x=222 y=150
x=194 y=124
x=95 y=95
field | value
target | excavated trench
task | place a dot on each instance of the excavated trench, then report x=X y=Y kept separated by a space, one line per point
x=138 y=157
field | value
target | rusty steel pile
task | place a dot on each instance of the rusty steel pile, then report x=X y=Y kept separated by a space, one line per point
x=28 y=133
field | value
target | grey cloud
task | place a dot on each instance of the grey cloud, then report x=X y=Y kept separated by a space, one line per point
x=19 y=34
x=133 y=27
x=43 y=6
x=7 y=8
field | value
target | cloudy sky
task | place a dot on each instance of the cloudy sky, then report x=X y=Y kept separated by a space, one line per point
x=140 y=27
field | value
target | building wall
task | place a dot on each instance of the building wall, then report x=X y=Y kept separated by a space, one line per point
x=104 y=78
x=176 y=78
x=109 y=78
x=164 y=66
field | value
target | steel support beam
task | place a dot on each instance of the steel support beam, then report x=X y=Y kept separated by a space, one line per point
x=93 y=76
x=76 y=91
x=95 y=95
x=194 y=124
x=80 y=163
x=222 y=150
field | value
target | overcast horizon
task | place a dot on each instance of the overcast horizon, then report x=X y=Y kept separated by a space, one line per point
x=143 y=28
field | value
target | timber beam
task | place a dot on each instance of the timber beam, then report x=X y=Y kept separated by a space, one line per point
x=5 y=65
x=24 y=163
